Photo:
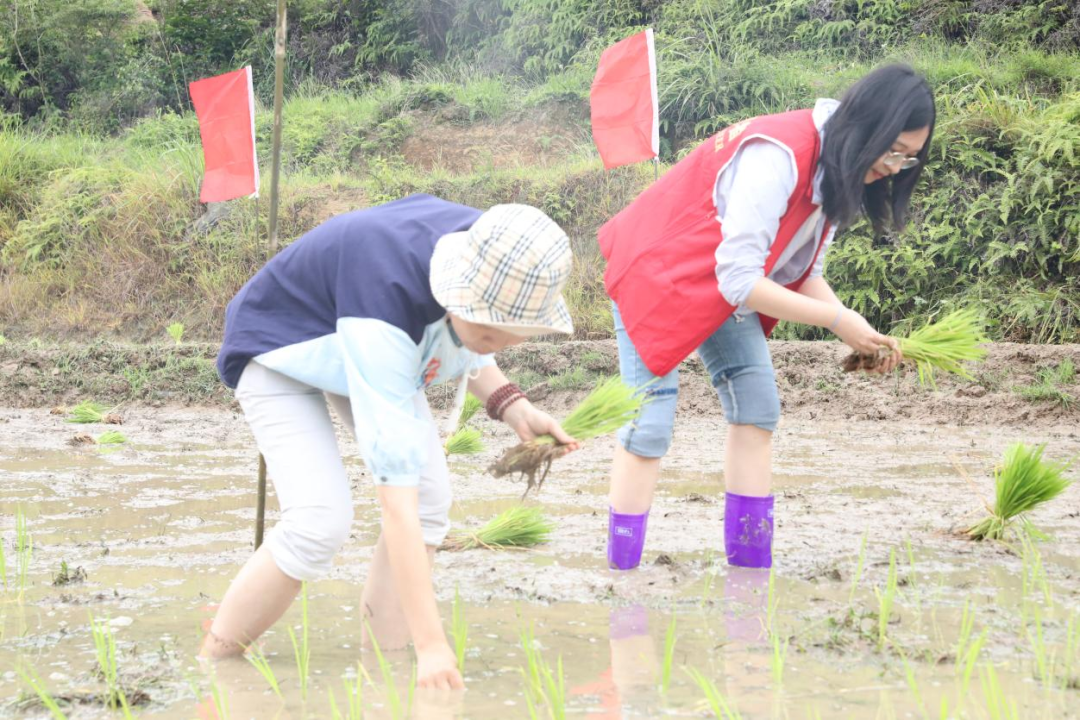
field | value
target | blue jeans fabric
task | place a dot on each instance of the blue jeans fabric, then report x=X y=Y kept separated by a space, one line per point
x=737 y=359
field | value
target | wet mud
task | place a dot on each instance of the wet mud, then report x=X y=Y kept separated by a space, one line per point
x=158 y=527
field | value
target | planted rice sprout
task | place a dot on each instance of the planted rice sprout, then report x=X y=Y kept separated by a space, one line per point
x=944 y=345
x=886 y=599
x=465 y=441
x=24 y=550
x=259 y=661
x=31 y=678
x=543 y=686
x=393 y=697
x=669 y=656
x=459 y=628
x=722 y=709
x=105 y=653
x=607 y=408
x=302 y=649
x=1022 y=482
x=354 y=695
x=518 y=527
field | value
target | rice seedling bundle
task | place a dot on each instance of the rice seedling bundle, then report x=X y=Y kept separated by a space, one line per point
x=1022 y=482
x=111 y=437
x=465 y=441
x=88 y=412
x=469 y=409
x=608 y=407
x=944 y=345
x=518 y=527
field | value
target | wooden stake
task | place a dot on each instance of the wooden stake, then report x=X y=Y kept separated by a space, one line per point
x=272 y=245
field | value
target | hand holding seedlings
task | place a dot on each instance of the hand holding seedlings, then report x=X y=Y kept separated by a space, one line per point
x=881 y=353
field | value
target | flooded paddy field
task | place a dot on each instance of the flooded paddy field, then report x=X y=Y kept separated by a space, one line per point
x=876 y=609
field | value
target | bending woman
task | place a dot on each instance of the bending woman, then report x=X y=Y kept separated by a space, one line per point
x=730 y=240
x=364 y=312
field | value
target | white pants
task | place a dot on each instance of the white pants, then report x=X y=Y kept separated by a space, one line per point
x=293 y=431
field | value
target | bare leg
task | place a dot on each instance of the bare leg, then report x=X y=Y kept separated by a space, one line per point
x=633 y=481
x=381 y=604
x=259 y=595
x=748 y=461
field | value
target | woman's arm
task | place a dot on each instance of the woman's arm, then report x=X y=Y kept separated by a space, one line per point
x=524 y=417
x=769 y=298
x=436 y=663
x=819 y=289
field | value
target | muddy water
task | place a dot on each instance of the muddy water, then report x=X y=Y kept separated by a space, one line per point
x=161 y=525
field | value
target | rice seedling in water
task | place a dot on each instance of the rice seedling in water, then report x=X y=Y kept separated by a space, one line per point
x=1023 y=482
x=778 y=657
x=105 y=652
x=111 y=437
x=967 y=651
x=858 y=568
x=1072 y=651
x=886 y=599
x=88 y=412
x=258 y=660
x=302 y=650
x=459 y=629
x=219 y=698
x=607 y=408
x=998 y=706
x=1044 y=659
x=943 y=345
x=543 y=686
x=31 y=678
x=469 y=409
x=517 y=527
x=1034 y=574
x=176 y=332
x=669 y=656
x=24 y=550
x=912 y=683
x=721 y=708
x=465 y=441
x=393 y=697
x=3 y=566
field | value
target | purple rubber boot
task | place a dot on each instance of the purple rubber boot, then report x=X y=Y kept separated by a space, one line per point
x=626 y=538
x=748 y=530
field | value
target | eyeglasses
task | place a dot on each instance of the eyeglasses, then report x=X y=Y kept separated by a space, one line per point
x=900 y=160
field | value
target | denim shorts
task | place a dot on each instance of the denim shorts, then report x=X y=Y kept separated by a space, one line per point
x=737 y=359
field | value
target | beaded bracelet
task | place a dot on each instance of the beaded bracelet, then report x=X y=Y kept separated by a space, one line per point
x=508 y=402
x=499 y=400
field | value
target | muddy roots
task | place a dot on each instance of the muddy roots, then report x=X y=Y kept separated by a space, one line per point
x=865 y=361
x=528 y=458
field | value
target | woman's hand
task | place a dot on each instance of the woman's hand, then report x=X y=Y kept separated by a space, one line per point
x=530 y=423
x=436 y=669
x=857 y=334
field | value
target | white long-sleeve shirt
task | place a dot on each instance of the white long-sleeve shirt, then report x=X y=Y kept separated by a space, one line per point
x=751 y=196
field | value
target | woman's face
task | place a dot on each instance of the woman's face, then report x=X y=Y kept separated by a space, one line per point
x=908 y=143
x=483 y=339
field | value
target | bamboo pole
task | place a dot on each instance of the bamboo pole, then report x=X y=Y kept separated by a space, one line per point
x=272 y=241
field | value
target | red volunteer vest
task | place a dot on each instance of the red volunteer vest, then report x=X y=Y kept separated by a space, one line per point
x=661 y=248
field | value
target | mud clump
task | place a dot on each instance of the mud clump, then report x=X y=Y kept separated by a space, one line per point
x=81 y=439
x=865 y=361
x=528 y=458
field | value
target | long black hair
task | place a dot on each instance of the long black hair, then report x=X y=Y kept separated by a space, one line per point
x=873 y=112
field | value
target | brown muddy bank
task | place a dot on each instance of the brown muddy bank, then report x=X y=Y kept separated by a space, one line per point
x=812 y=384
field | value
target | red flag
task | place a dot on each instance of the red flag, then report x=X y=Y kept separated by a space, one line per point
x=225 y=105
x=623 y=101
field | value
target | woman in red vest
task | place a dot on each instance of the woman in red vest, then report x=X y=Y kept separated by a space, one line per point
x=730 y=240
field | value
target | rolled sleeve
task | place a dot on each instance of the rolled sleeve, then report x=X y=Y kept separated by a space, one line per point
x=751 y=196
x=381 y=366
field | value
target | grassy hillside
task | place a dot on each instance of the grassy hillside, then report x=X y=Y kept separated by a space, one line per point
x=486 y=102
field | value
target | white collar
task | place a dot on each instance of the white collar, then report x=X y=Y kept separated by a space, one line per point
x=823 y=110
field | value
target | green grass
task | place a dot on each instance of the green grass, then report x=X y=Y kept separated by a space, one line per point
x=517 y=527
x=176 y=332
x=1050 y=385
x=1022 y=482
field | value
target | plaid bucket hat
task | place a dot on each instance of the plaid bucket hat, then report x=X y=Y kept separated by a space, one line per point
x=507 y=270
